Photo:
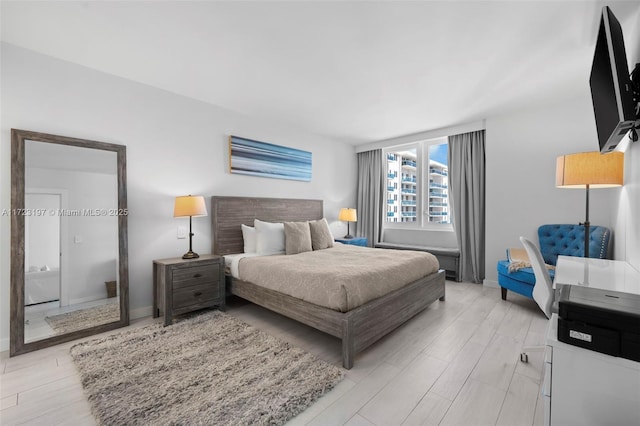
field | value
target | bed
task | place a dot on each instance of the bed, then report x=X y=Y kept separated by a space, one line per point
x=41 y=286
x=357 y=327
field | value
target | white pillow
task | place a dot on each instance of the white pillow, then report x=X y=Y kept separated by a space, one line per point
x=249 y=237
x=269 y=237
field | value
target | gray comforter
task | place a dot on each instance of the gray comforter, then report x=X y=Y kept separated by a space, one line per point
x=340 y=278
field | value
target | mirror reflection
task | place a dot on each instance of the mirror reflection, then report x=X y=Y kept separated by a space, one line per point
x=71 y=278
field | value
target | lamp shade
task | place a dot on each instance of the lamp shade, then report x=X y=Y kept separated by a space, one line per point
x=590 y=168
x=348 y=215
x=189 y=205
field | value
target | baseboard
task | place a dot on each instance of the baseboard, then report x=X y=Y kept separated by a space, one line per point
x=4 y=344
x=87 y=299
x=491 y=283
x=137 y=313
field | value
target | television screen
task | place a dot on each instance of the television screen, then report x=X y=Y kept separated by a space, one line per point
x=611 y=90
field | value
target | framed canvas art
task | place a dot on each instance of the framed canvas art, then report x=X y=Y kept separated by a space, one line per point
x=254 y=158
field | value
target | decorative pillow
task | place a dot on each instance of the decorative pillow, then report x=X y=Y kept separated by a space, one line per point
x=321 y=237
x=269 y=237
x=249 y=237
x=297 y=237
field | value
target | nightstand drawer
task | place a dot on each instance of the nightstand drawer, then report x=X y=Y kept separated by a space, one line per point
x=186 y=285
x=195 y=295
x=195 y=275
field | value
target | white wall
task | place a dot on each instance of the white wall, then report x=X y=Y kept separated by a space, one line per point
x=175 y=146
x=521 y=152
x=41 y=232
x=91 y=240
x=627 y=227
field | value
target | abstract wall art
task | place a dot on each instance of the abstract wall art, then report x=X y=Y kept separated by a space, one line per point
x=254 y=158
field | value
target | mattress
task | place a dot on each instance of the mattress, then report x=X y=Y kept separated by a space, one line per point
x=340 y=278
x=232 y=262
x=41 y=286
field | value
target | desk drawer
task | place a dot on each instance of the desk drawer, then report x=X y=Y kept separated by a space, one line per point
x=546 y=378
x=190 y=297
x=195 y=275
x=589 y=337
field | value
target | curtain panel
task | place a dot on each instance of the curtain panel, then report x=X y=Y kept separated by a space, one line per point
x=467 y=200
x=370 y=203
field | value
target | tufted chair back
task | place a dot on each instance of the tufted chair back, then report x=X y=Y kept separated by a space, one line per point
x=568 y=240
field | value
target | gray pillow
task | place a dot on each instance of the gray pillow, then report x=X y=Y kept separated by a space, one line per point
x=297 y=237
x=321 y=237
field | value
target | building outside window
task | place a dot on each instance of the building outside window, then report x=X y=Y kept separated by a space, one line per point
x=417 y=183
x=438 y=189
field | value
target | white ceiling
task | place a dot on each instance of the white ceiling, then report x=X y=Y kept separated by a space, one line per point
x=356 y=71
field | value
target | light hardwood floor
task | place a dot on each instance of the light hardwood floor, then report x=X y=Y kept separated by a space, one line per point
x=456 y=363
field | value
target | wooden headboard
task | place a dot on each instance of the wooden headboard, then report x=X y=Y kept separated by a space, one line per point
x=228 y=213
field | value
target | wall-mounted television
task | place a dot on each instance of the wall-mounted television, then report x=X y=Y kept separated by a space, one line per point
x=612 y=91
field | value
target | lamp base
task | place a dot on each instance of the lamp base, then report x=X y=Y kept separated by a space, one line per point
x=190 y=255
x=348 y=237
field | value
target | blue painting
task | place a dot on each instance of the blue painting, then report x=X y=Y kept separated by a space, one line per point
x=249 y=157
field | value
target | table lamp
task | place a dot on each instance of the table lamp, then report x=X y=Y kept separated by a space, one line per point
x=348 y=215
x=589 y=170
x=190 y=205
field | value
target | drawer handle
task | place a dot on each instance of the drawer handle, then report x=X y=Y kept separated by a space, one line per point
x=197 y=293
x=197 y=275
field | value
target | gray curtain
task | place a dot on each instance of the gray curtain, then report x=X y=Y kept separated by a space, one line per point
x=466 y=196
x=370 y=203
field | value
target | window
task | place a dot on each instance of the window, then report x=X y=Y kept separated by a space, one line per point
x=438 y=189
x=417 y=184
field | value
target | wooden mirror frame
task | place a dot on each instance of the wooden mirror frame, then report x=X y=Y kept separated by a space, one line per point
x=18 y=137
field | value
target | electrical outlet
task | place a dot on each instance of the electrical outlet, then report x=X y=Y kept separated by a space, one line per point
x=182 y=232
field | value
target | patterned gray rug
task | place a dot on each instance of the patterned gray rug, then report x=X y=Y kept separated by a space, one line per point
x=84 y=318
x=211 y=369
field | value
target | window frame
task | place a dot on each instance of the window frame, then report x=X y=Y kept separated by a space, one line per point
x=422 y=171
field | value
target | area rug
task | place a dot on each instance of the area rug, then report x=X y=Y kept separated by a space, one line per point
x=84 y=318
x=211 y=369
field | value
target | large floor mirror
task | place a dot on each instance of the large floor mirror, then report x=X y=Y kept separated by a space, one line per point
x=69 y=267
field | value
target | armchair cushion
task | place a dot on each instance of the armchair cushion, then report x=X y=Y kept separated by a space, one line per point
x=524 y=275
x=522 y=281
x=568 y=240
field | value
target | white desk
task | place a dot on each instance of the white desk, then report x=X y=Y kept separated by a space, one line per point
x=583 y=387
x=597 y=273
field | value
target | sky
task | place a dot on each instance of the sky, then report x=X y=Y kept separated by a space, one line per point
x=439 y=153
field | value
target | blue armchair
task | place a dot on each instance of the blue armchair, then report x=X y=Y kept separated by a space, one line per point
x=555 y=240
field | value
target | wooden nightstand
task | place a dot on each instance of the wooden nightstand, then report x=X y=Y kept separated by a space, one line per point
x=185 y=285
x=355 y=241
